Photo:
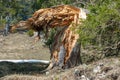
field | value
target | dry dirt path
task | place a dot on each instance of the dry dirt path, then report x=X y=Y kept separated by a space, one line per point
x=21 y=46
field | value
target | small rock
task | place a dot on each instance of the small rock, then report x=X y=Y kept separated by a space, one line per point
x=83 y=77
x=76 y=72
x=102 y=75
x=97 y=69
x=47 y=73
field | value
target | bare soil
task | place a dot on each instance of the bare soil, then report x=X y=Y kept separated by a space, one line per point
x=106 y=69
x=21 y=46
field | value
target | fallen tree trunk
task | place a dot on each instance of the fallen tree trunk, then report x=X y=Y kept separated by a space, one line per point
x=27 y=61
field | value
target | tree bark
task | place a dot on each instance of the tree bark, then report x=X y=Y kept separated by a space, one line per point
x=75 y=58
x=65 y=51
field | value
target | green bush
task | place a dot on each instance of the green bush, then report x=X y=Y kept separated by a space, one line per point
x=102 y=25
x=30 y=33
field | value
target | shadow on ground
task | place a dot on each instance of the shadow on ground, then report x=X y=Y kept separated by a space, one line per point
x=7 y=68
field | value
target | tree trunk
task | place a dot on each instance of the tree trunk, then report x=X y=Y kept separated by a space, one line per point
x=65 y=51
x=75 y=58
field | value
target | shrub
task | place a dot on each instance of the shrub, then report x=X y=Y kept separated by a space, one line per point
x=102 y=25
x=30 y=33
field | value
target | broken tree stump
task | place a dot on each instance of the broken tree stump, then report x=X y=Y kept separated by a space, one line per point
x=65 y=50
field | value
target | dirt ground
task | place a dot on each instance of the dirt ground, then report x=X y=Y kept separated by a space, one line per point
x=21 y=46
x=106 y=69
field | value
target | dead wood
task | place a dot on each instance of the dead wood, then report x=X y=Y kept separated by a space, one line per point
x=65 y=49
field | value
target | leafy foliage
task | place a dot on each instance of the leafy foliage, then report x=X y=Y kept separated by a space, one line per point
x=30 y=33
x=102 y=24
x=17 y=10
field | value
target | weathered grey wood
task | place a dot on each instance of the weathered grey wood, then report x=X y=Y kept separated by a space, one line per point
x=61 y=56
x=75 y=58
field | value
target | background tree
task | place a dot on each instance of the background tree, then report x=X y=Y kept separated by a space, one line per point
x=18 y=10
x=102 y=27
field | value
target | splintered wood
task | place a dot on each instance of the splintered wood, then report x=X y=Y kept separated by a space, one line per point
x=65 y=17
x=59 y=16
